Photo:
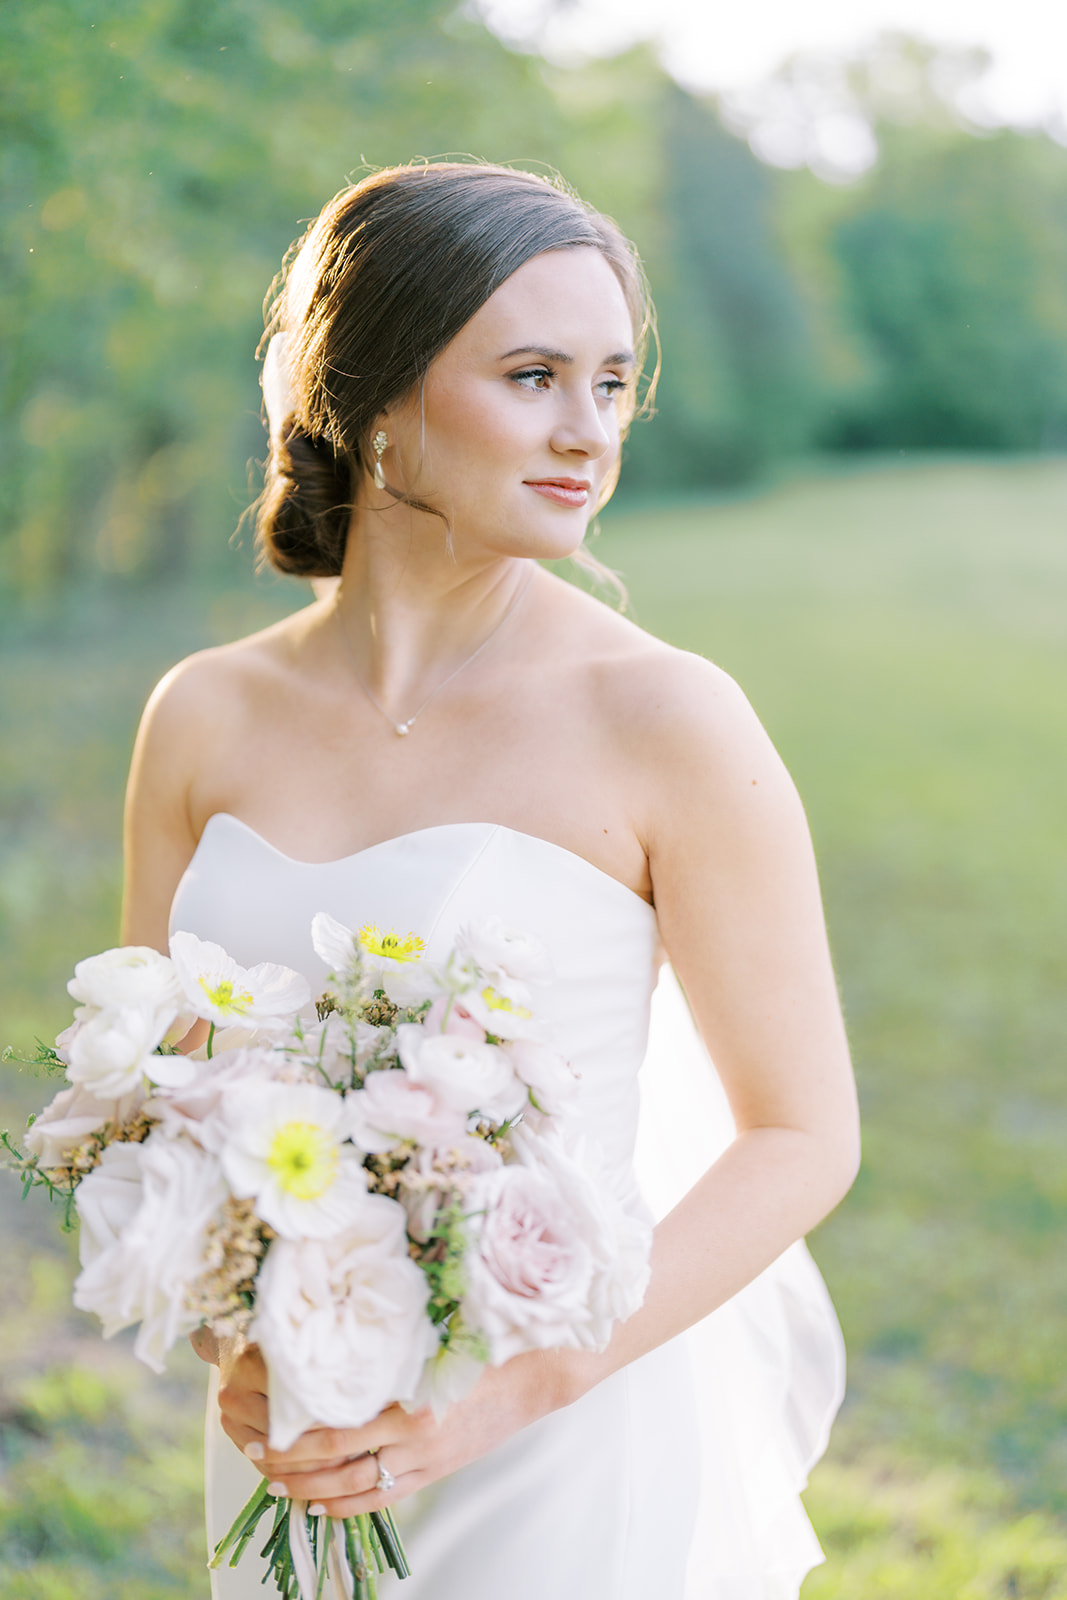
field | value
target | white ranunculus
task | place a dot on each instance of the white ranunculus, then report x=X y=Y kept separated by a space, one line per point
x=392 y=1107
x=552 y=1081
x=342 y=1324
x=529 y=1266
x=284 y=1146
x=131 y=975
x=70 y=1118
x=144 y=1212
x=620 y=1239
x=504 y=952
x=110 y=1052
x=464 y=1073
x=220 y=991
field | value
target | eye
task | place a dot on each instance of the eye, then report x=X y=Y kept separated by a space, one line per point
x=533 y=377
x=609 y=387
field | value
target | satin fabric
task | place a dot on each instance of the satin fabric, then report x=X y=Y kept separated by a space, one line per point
x=680 y=1475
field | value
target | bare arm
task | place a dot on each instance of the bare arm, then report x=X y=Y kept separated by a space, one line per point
x=740 y=913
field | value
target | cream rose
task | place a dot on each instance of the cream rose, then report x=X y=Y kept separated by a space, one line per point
x=144 y=1214
x=342 y=1324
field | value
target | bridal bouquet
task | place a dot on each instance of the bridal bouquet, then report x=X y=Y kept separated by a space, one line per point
x=382 y=1188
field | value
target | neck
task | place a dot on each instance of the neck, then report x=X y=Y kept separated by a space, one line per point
x=410 y=611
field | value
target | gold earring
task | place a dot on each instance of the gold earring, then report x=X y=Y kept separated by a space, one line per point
x=381 y=439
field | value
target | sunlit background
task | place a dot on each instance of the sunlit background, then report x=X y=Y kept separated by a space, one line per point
x=853 y=494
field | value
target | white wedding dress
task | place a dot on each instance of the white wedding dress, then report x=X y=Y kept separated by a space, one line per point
x=679 y=1476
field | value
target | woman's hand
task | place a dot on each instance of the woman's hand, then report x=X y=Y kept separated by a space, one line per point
x=336 y=1469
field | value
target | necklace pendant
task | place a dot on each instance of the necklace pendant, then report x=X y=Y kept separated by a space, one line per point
x=402 y=728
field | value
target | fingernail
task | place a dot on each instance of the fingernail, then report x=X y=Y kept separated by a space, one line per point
x=277 y=1490
x=316 y=1511
x=254 y=1452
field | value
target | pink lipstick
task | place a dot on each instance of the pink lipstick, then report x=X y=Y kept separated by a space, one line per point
x=564 y=491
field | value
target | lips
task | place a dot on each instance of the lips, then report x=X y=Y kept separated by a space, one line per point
x=564 y=491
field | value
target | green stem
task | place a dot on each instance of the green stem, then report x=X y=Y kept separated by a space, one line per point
x=247 y=1517
x=210 y=1039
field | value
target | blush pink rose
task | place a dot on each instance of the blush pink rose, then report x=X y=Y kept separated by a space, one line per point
x=392 y=1107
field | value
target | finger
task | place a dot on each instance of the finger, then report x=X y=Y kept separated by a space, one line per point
x=244 y=1408
x=348 y=1478
x=374 y=1500
x=391 y=1427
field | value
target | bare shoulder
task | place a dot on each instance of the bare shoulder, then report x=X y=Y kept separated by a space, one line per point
x=671 y=707
x=211 y=691
x=689 y=750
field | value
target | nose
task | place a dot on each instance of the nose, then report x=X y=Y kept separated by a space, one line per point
x=582 y=427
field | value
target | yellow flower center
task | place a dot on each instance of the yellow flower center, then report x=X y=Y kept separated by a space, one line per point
x=396 y=946
x=303 y=1157
x=224 y=998
x=500 y=1002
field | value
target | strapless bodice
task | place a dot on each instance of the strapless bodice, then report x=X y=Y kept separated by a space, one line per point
x=601 y=937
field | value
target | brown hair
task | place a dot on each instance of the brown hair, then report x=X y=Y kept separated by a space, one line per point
x=379 y=284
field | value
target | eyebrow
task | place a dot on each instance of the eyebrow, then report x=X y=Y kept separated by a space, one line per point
x=618 y=359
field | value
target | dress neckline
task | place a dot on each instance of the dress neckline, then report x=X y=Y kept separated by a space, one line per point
x=417 y=833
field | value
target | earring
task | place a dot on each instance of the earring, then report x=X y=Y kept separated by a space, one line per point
x=381 y=439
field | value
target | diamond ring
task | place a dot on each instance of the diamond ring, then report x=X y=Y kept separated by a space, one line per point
x=386 y=1481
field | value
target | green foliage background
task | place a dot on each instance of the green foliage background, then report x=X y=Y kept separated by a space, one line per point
x=158 y=156
x=900 y=630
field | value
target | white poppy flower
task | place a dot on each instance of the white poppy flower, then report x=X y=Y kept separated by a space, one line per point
x=502 y=1008
x=285 y=1147
x=504 y=952
x=390 y=961
x=226 y=994
x=131 y=975
x=71 y=1117
x=466 y=1074
x=110 y=1052
x=342 y=1323
x=144 y=1213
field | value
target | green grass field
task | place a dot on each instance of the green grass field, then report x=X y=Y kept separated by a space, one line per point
x=901 y=632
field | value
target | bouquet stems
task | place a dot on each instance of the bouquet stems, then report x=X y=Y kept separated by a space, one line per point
x=358 y=1548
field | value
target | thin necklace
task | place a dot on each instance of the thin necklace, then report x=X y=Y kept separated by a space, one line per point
x=403 y=728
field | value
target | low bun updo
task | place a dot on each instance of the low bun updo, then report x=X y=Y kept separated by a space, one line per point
x=381 y=282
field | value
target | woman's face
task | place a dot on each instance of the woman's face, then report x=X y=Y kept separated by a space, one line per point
x=518 y=424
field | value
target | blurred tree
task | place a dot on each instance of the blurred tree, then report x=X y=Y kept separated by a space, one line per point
x=737 y=390
x=954 y=265
x=156 y=158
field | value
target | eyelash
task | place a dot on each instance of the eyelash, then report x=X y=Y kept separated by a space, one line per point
x=613 y=385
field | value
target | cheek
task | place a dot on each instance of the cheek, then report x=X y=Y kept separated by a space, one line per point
x=479 y=430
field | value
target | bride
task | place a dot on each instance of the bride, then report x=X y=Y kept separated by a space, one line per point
x=449 y=731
